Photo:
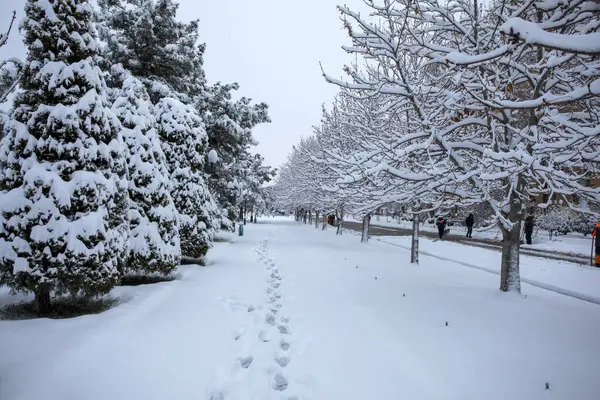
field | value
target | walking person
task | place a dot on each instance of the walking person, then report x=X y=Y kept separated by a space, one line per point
x=470 y=221
x=528 y=228
x=441 y=224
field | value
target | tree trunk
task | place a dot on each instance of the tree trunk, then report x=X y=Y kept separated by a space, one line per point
x=365 y=228
x=42 y=300
x=305 y=218
x=324 y=221
x=310 y=217
x=509 y=271
x=245 y=211
x=316 y=219
x=340 y=223
x=414 y=250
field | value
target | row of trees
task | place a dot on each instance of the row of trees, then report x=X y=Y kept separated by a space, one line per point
x=458 y=104
x=117 y=156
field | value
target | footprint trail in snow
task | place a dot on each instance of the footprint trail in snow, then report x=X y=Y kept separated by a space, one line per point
x=264 y=345
x=279 y=381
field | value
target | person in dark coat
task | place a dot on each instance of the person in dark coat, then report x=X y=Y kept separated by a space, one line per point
x=528 y=228
x=441 y=225
x=470 y=221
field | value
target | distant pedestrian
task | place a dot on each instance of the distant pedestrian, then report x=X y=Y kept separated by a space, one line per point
x=441 y=225
x=528 y=228
x=470 y=221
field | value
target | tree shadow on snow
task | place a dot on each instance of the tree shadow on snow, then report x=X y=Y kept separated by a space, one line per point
x=136 y=280
x=61 y=308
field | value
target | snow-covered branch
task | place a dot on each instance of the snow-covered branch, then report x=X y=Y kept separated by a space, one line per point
x=531 y=33
x=4 y=36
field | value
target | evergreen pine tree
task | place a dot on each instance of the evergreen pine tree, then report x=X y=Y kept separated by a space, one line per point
x=63 y=175
x=153 y=219
x=183 y=141
x=147 y=39
x=229 y=127
x=163 y=53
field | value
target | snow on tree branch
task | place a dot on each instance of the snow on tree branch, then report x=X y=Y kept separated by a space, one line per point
x=531 y=33
x=439 y=110
x=4 y=36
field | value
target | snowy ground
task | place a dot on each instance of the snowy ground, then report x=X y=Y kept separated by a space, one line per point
x=565 y=277
x=288 y=311
x=572 y=243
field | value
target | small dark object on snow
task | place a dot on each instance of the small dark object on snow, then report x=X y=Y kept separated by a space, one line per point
x=548 y=385
x=403 y=294
x=357 y=266
x=446 y=323
x=375 y=278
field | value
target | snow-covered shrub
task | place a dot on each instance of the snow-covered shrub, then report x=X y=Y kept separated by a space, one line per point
x=556 y=219
x=153 y=220
x=583 y=223
x=62 y=166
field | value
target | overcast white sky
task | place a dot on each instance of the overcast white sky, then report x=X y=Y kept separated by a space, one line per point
x=272 y=48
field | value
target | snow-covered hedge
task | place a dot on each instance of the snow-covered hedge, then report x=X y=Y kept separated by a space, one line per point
x=558 y=218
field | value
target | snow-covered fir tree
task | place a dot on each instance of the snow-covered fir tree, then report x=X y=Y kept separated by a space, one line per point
x=229 y=127
x=148 y=40
x=63 y=174
x=183 y=141
x=153 y=219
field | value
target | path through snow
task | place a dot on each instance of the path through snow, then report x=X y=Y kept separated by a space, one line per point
x=292 y=312
x=264 y=344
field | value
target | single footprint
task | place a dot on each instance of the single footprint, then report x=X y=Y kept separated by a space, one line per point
x=285 y=320
x=276 y=285
x=246 y=361
x=283 y=329
x=215 y=395
x=282 y=361
x=279 y=382
x=239 y=333
x=250 y=308
x=269 y=290
x=264 y=336
x=274 y=297
x=283 y=345
x=270 y=319
x=274 y=310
